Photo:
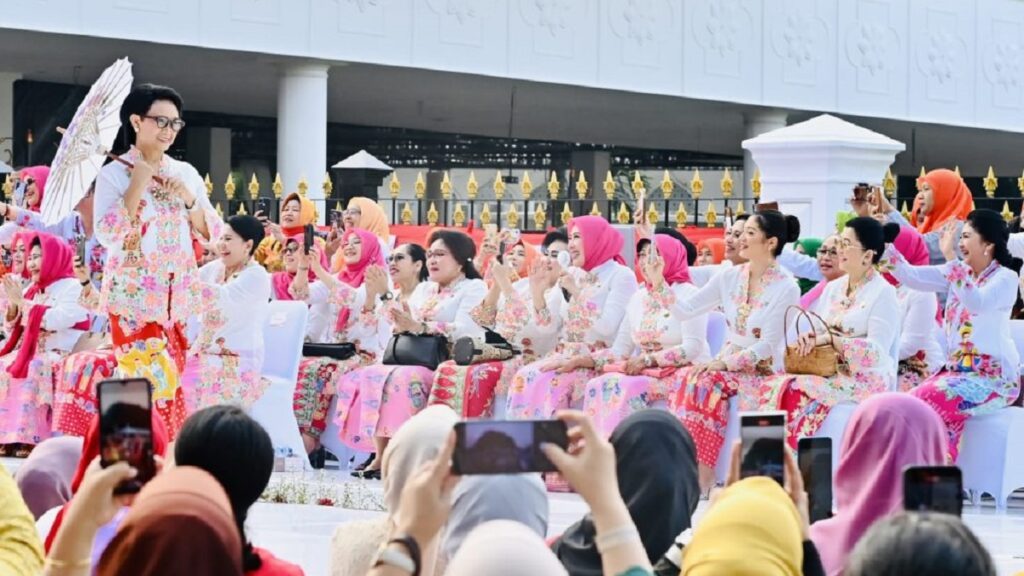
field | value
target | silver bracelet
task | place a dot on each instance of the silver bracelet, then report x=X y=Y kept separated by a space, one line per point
x=617 y=537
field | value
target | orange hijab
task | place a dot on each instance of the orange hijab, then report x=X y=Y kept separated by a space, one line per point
x=717 y=247
x=372 y=219
x=307 y=214
x=531 y=255
x=951 y=200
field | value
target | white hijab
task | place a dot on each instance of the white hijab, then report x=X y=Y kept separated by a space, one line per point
x=504 y=548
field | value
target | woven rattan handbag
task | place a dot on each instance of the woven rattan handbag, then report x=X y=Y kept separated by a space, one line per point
x=822 y=361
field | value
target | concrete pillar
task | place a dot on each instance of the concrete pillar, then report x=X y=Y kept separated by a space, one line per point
x=755 y=124
x=302 y=129
x=209 y=150
x=7 y=80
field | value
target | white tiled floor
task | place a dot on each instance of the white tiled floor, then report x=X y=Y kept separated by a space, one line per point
x=302 y=533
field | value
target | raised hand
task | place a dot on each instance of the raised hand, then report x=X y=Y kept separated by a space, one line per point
x=948 y=239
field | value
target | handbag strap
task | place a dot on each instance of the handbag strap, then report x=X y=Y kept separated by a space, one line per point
x=809 y=315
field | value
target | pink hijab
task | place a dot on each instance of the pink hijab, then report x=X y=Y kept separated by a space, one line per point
x=282 y=280
x=887 y=433
x=40 y=174
x=677 y=269
x=354 y=274
x=601 y=242
x=912 y=246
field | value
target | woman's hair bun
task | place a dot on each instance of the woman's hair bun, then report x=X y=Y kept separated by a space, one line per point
x=792 y=228
x=890 y=232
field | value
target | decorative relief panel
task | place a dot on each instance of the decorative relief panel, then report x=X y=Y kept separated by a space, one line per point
x=872 y=67
x=553 y=40
x=461 y=35
x=640 y=45
x=723 y=48
x=459 y=21
x=941 y=60
x=361 y=17
x=1000 y=64
x=256 y=11
x=362 y=30
x=122 y=18
x=800 y=53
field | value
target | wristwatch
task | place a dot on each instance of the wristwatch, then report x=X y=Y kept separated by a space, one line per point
x=387 y=296
x=408 y=562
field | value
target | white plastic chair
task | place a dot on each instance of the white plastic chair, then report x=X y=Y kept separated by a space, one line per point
x=834 y=427
x=732 y=434
x=331 y=441
x=283 y=333
x=990 y=455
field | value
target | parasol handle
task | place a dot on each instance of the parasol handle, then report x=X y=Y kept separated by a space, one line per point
x=158 y=179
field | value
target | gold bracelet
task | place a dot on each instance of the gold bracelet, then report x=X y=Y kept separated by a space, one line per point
x=54 y=563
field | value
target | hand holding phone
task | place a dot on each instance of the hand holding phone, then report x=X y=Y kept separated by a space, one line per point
x=505 y=446
x=263 y=206
x=126 y=429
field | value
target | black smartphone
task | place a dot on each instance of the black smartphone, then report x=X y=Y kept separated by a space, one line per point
x=933 y=488
x=861 y=191
x=763 y=438
x=126 y=429
x=307 y=239
x=263 y=205
x=505 y=446
x=814 y=457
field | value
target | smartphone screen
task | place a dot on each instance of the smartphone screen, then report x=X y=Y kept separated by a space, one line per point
x=336 y=219
x=505 y=446
x=263 y=205
x=763 y=437
x=933 y=488
x=307 y=239
x=126 y=429
x=815 y=461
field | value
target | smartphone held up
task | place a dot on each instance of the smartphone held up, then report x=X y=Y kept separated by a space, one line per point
x=763 y=444
x=126 y=429
x=506 y=446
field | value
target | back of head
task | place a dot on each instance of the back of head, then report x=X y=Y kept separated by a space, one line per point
x=501 y=548
x=479 y=499
x=691 y=250
x=417 y=441
x=656 y=465
x=990 y=225
x=886 y=433
x=248 y=228
x=871 y=235
x=231 y=446
x=45 y=478
x=920 y=543
x=181 y=523
x=753 y=529
x=784 y=228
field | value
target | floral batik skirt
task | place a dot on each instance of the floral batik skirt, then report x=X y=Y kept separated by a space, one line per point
x=702 y=403
x=156 y=353
x=75 y=405
x=316 y=387
x=956 y=396
x=470 y=390
x=219 y=379
x=26 y=404
x=535 y=394
x=611 y=397
x=374 y=401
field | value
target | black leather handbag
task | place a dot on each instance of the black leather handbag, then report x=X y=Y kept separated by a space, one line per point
x=427 y=350
x=342 y=351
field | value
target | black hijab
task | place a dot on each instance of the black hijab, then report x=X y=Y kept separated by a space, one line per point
x=656 y=464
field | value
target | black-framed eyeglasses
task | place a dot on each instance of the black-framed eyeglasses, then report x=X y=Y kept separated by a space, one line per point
x=176 y=124
x=292 y=249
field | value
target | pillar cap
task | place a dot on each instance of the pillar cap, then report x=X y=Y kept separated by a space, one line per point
x=362 y=160
x=822 y=131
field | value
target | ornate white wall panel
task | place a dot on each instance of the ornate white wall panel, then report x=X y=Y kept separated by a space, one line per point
x=872 y=64
x=553 y=40
x=799 y=48
x=723 y=50
x=461 y=35
x=955 y=62
x=641 y=46
x=363 y=30
x=942 y=56
x=999 y=72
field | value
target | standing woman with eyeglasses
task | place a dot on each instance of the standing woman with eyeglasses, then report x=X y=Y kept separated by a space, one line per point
x=145 y=216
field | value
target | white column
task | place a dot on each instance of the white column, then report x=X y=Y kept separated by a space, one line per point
x=302 y=129
x=757 y=123
x=7 y=80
